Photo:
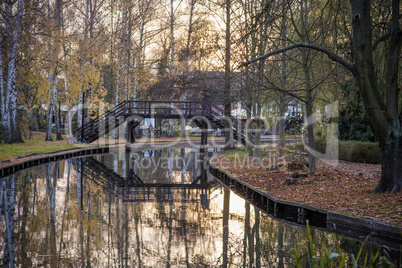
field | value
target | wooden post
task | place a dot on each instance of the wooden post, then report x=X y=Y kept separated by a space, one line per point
x=204 y=133
x=131 y=132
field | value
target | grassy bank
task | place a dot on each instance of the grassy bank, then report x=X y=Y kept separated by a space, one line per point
x=37 y=145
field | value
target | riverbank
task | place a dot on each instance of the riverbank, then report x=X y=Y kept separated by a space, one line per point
x=37 y=146
x=341 y=187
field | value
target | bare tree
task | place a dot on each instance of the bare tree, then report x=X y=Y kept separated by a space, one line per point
x=229 y=142
x=383 y=110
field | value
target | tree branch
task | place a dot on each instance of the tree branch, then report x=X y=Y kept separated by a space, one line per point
x=324 y=50
x=381 y=39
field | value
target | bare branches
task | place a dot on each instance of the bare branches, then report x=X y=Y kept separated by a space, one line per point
x=381 y=39
x=324 y=50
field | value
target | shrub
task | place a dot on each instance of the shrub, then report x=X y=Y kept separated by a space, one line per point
x=360 y=152
x=353 y=151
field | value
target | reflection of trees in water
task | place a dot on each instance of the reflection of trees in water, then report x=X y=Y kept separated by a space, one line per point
x=51 y=226
x=7 y=210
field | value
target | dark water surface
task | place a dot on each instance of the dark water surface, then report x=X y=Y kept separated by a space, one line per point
x=121 y=210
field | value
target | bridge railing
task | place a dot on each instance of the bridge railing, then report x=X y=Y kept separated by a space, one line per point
x=163 y=107
x=238 y=125
x=150 y=108
x=147 y=108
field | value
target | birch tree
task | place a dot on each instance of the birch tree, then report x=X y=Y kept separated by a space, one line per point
x=54 y=39
x=8 y=72
x=123 y=35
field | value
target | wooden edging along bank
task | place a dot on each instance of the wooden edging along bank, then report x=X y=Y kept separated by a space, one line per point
x=47 y=157
x=51 y=157
x=358 y=228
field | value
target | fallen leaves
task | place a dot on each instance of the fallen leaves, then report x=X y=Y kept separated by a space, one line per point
x=345 y=187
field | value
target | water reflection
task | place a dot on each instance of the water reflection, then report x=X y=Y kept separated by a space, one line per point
x=139 y=209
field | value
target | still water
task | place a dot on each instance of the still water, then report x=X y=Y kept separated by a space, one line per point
x=141 y=209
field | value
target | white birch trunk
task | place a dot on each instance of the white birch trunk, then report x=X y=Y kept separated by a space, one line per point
x=12 y=82
x=70 y=131
x=4 y=105
x=172 y=72
x=119 y=64
x=80 y=99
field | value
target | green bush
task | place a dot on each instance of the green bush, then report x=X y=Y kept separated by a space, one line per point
x=353 y=151
x=360 y=152
x=353 y=122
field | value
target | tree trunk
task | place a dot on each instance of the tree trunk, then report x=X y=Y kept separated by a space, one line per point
x=281 y=123
x=172 y=70
x=70 y=130
x=309 y=98
x=49 y=117
x=59 y=137
x=382 y=112
x=5 y=122
x=120 y=63
x=257 y=139
x=391 y=168
x=249 y=145
x=11 y=91
x=186 y=61
x=229 y=143
x=309 y=114
x=282 y=102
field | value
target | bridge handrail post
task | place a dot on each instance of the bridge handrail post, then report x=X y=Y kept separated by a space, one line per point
x=149 y=104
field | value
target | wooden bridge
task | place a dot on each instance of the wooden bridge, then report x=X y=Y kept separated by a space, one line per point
x=133 y=112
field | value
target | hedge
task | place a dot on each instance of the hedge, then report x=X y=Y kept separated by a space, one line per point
x=353 y=151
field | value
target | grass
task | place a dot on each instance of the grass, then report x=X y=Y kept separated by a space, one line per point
x=236 y=153
x=37 y=145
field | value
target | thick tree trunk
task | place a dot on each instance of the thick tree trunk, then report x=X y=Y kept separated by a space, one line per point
x=382 y=112
x=391 y=167
x=11 y=91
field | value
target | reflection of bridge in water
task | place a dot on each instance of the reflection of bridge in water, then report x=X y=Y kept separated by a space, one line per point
x=133 y=189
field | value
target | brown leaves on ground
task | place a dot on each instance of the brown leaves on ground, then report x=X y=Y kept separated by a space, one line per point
x=343 y=187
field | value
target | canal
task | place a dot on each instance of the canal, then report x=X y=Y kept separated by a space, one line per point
x=150 y=208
